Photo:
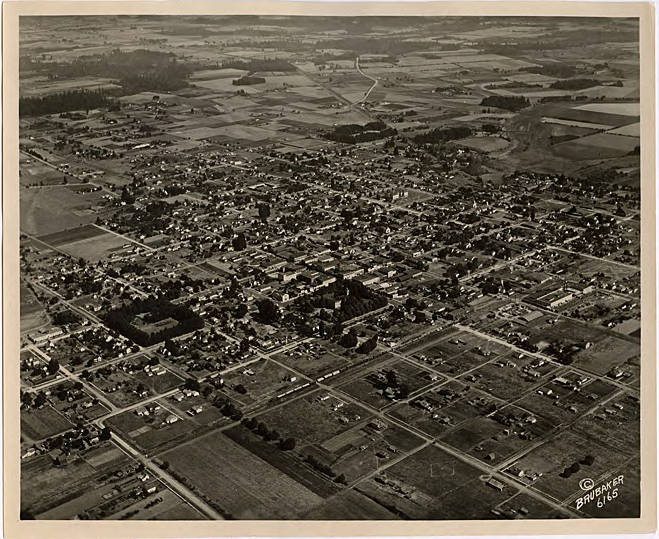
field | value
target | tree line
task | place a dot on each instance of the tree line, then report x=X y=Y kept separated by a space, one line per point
x=64 y=102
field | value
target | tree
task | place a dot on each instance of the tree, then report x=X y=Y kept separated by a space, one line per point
x=349 y=340
x=40 y=399
x=53 y=366
x=192 y=384
x=420 y=317
x=264 y=212
x=241 y=310
x=392 y=378
x=239 y=242
x=262 y=429
x=105 y=434
x=368 y=345
x=588 y=460
x=268 y=311
x=342 y=479
x=288 y=444
x=241 y=389
x=172 y=347
x=26 y=398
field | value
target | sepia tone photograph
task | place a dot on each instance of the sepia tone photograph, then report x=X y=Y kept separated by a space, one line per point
x=330 y=268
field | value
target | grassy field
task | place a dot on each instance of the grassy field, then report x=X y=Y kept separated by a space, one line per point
x=44 y=486
x=605 y=354
x=575 y=123
x=546 y=407
x=467 y=404
x=349 y=505
x=439 y=487
x=631 y=130
x=268 y=380
x=312 y=421
x=311 y=364
x=239 y=482
x=625 y=109
x=85 y=232
x=51 y=209
x=41 y=423
x=36 y=173
x=553 y=457
x=32 y=313
x=507 y=381
x=482 y=436
x=620 y=430
x=96 y=248
x=287 y=462
x=485 y=144
x=610 y=141
x=366 y=389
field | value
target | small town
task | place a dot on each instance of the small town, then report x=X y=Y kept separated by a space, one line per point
x=341 y=268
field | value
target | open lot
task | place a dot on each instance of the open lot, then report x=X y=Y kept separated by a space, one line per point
x=53 y=209
x=553 y=457
x=43 y=422
x=234 y=478
x=431 y=484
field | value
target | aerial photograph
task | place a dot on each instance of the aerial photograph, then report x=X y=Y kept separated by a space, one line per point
x=329 y=268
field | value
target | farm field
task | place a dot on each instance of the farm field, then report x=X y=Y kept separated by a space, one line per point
x=54 y=209
x=486 y=144
x=625 y=109
x=44 y=422
x=233 y=478
x=96 y=248
x=349 y=505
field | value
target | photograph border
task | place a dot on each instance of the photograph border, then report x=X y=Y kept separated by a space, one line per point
x=15 y=528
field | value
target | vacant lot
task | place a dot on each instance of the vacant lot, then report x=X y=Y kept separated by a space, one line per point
x=239 y=482
x=259 y=381
x=620 y=429
x=94 y=249
x=553 y=457
x=32 y=313
x=438 y=486
x=313 y=420
x=605 y=354
x=41 y=423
